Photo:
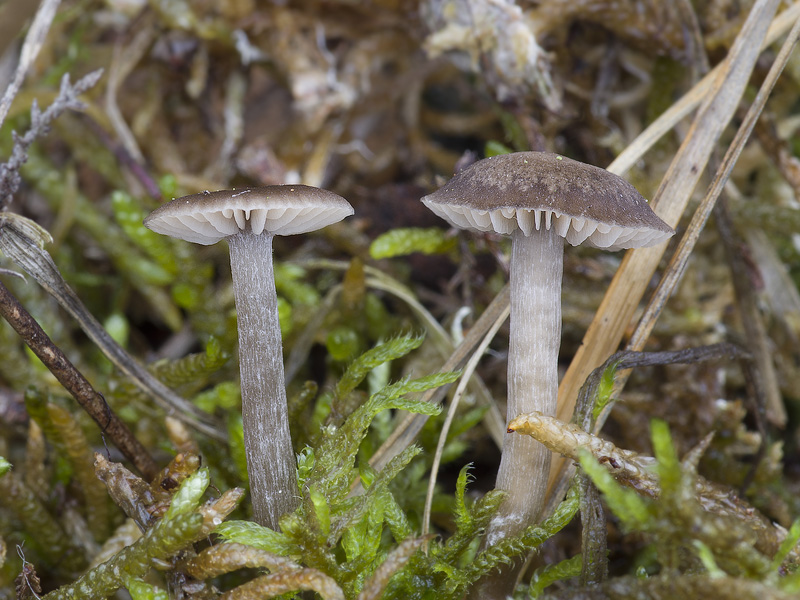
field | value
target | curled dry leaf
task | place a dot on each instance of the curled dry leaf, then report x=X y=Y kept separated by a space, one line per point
x=141 y=501
x=27 y=582
x=131 y=493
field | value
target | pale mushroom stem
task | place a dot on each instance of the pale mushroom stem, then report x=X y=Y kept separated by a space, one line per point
x=535 y=336
x=271 y=464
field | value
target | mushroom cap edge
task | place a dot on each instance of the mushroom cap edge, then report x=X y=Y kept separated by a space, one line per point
x=207 y=217
x=529 y=190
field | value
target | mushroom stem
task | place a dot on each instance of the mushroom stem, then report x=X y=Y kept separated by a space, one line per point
x=535 y=336
x=268 y=445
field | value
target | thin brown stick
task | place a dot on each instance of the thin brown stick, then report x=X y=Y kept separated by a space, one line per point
x=623 y=361
x=75 y=383
x=23 y=241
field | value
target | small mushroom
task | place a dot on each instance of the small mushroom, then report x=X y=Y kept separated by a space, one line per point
x=249 y=219
x=539 y=199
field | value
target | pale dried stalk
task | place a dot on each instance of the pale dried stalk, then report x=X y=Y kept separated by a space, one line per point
x=122 y=63
x=407 y=430
x=466 y=375
x=22 y=241
x=679 y=260
x=403 y=435
x=30 y=49
x=667 y=121
x=637 y=268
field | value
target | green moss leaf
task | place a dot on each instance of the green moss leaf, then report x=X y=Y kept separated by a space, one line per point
x=549 y=574
x=624 y=503
x=189 y=494
x=373 y=358
x=604 y=389
x=139 y=590
x=251 y=534
x=789 y=542
x=322 y=511
x=236 y=444
x=669 y=466
x=342 y=343
x=403 y=241
x=495 y=148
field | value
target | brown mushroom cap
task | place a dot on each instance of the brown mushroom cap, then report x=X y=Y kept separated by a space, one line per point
x=207 y=217
x=528 y=190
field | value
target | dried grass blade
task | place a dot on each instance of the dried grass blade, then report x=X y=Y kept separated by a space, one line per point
x=689 y=101
x=677 y=264
x=406 y=431
x=30 y=49
x=629 y=284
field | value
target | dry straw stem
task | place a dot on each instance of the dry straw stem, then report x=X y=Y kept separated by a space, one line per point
x=404 y=434
x=637 y=268
x=677 y=265
x=122 y=64
x=615 y=314
x=466 y=375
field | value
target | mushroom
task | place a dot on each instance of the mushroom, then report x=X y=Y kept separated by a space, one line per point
x=249 y=219
x=539 y=199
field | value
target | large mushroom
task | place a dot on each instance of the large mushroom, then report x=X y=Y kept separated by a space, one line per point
x=539 y=199
x=249 y=219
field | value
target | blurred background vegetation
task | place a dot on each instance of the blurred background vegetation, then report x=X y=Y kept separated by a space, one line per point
x=379 y=101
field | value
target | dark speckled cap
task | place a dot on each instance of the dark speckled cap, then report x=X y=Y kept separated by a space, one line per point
x=530 y=190
x=207 y=217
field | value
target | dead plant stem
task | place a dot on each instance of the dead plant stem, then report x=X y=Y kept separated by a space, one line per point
x=75 y=383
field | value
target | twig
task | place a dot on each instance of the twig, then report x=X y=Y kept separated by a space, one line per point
x=407 y=430
x=75 y=383
x=122 y=63
x=40 y=123
x=138 y=170
x=688 y=102
x=21 y=240
x=679 y=260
